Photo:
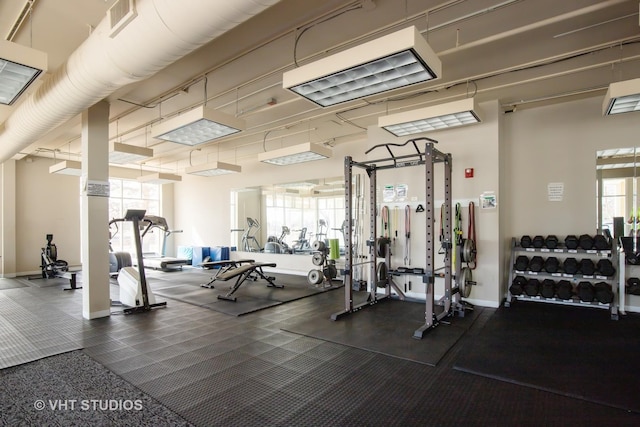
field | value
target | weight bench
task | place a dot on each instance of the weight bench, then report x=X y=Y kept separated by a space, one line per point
x=244 y=272
x=223 y=267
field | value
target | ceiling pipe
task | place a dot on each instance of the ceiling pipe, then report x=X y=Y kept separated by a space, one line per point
x=162 y=32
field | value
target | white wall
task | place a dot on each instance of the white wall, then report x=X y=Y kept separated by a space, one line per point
x=558 y=143
x=45 y=204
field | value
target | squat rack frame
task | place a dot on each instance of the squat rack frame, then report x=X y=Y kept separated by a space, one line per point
x=428 y=159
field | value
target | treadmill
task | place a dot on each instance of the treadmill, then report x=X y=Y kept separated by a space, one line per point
x=161 y=261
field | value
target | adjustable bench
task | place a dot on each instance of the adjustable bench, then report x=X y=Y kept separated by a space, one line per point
x=223 y=267
x=244 y=272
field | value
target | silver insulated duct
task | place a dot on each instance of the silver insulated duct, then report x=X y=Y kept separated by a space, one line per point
x=124 y=48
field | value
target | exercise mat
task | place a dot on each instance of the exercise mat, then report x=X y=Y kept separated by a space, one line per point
x=387 y=328
x=573 y=351
x=27 y=336
x=251 y=296
x=334 y=248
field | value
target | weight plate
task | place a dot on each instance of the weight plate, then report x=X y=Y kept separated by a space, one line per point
x=317 y=259
x=330 y=271
x=465 y=282
x=315 y=277
x=382 y=273
x=319 y=245
x=381 y=246
x=468 y=251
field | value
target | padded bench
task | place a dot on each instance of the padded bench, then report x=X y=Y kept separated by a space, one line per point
x=223 y=267
x=248 y=271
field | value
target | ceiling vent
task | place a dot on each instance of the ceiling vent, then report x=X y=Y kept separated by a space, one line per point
x=120 y=14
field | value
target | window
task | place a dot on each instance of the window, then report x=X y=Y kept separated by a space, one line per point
x=133 y=195
x=319 y=215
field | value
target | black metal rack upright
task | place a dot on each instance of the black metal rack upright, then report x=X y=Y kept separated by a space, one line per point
x=377 y=247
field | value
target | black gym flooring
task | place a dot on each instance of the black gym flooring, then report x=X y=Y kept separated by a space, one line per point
x=190 y=364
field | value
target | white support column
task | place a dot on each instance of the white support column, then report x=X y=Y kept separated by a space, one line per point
x=8 y=218
x=95 y=212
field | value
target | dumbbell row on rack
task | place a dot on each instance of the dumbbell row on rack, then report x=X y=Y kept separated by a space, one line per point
x=570 y=265
x=563 y=289
x=584 y=241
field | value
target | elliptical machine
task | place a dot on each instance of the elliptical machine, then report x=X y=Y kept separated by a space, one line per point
x=49 y=263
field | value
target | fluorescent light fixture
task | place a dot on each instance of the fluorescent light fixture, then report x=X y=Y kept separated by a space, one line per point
x=396 y=60
x=67 y=167
x=306 y=152
x=125 y=153
x=622 y=97
x=20 y=66
x=213 y=169
x=197 y=126
x=160 y=178
x=443 y=116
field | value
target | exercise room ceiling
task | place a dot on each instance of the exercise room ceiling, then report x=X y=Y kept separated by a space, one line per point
x=521 y=52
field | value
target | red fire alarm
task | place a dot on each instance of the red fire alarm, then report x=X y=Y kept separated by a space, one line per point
x=468 y=173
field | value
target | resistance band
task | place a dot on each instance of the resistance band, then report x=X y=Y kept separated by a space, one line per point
x=471 y=232
x=457 y=232
x=395 y=224
x=407 y=235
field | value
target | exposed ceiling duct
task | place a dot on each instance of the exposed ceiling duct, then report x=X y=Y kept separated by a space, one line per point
x=162 y=32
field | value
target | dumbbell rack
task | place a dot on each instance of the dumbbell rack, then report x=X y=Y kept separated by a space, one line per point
x=561 y=251
x=626 y=271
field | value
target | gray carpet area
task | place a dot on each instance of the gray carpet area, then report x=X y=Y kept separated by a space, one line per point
x=73 y=389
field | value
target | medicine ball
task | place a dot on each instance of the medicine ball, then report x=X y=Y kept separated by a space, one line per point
x=601 y=243
x=548 y=288
x=536 y=264
x=605 y=267
x=585 y=241
x=585 y=291
x=587 y=267
x=551 y=264
x=633 y=286
x=522 y=262
x=538 y=242
x=532 y=288
x=551 y=241
x=564 y=289
x=517 y=285
x=571 y=242
x=570 y=265
x=525 y=241
x=604 y=293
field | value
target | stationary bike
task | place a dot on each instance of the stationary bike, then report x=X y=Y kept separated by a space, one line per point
x=49 y=263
